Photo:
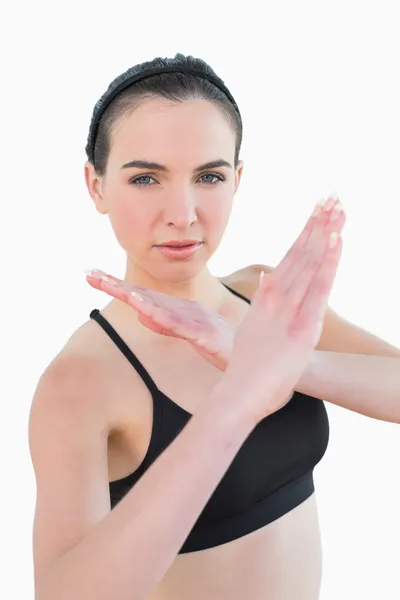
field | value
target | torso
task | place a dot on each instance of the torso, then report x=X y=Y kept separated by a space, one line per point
x=280 y=561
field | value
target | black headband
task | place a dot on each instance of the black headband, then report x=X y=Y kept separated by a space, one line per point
x=103 y=103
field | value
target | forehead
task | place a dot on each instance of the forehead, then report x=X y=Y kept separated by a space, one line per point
x=161 y=130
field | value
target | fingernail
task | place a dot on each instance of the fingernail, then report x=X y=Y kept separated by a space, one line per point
x=137 y=296
x=334 y=196
x=318 y=207
x=336 y=211
x=109 y=280
x=93 y=273
x=261 y=279
x=333 y=239
x=330 y=203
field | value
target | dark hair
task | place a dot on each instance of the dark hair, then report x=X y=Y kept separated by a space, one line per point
x=175 y=86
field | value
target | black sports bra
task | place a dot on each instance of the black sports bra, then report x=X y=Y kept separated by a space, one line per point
x=270 y=475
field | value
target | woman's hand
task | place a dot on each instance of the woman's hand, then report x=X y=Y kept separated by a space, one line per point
x=279 y=333
x=208 y=332
x=273 y=344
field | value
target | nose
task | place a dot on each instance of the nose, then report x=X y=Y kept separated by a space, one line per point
x=180 y=209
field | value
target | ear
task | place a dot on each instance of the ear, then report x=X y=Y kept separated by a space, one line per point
x=238 y=175
x=94 y=184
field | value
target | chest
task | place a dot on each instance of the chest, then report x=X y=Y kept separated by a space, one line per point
x=284 y=445
x=179 y=373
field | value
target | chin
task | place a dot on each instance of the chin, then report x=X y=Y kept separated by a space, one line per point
x=180 y=273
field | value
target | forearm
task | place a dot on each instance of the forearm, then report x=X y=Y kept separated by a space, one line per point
x=128 y=553
x=369 y=385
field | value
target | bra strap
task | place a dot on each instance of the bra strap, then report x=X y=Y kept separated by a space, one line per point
x=235 y=293
x=126 y=351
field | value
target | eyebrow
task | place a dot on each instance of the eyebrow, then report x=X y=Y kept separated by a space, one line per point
x=144 y=164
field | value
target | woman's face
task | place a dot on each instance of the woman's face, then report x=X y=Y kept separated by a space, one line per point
x=180 y=199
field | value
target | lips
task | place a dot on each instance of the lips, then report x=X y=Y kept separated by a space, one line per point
x=179 y=244
x=179 y=250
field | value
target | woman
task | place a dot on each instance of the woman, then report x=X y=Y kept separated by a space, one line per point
x=208 y=471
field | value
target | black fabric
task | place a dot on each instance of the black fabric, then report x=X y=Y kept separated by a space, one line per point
x=270 y=475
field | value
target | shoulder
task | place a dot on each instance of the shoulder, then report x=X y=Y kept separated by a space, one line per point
x=245 y=280
x=92 y=379
x=75 y=385
x=338 y=334
x=335 y=329
x=72 y=386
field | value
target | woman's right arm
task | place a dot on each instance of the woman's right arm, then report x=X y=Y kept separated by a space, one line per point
x=84 y=550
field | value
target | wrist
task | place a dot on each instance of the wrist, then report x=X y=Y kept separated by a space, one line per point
x=229 y=402
x=308 y=382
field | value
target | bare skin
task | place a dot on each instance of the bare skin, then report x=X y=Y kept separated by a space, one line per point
x=209 y=332
x=148 y=207
x=260 y=561
x=277 y=562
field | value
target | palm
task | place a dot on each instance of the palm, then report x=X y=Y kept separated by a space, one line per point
x=208 y=332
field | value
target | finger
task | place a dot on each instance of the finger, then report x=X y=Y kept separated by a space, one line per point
x=111 y=287
x=102 y=281
x=141 y=303
x=153 y=318
x=179 y=326
x=121 y=289
x=169 y=323
x=311 y=272
x=150 y=324
x=315 y=300
x=319 y=218
x=301 y=240
x=303 y=260
x=165 y=317
x=99 y=280
x=311 y=256
x=206 y=346
x=149 y=306
x=94 y=273
x=94 y=277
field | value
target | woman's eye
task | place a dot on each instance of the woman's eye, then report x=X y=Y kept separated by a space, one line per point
x=138 y=181
x=216 y=176
x=144 y=180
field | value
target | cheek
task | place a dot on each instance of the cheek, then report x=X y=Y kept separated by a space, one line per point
x=217 y=209
x=131 y=221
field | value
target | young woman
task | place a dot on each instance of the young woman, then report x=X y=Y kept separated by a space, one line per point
x=195 y=481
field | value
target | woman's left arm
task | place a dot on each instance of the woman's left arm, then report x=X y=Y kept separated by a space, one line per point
x=364 y=383
x=350 y=367
x=354 y=369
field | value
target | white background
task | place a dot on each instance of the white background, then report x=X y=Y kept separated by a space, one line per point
x=317 y=84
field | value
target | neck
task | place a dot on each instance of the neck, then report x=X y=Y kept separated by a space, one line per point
x=203 y=288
